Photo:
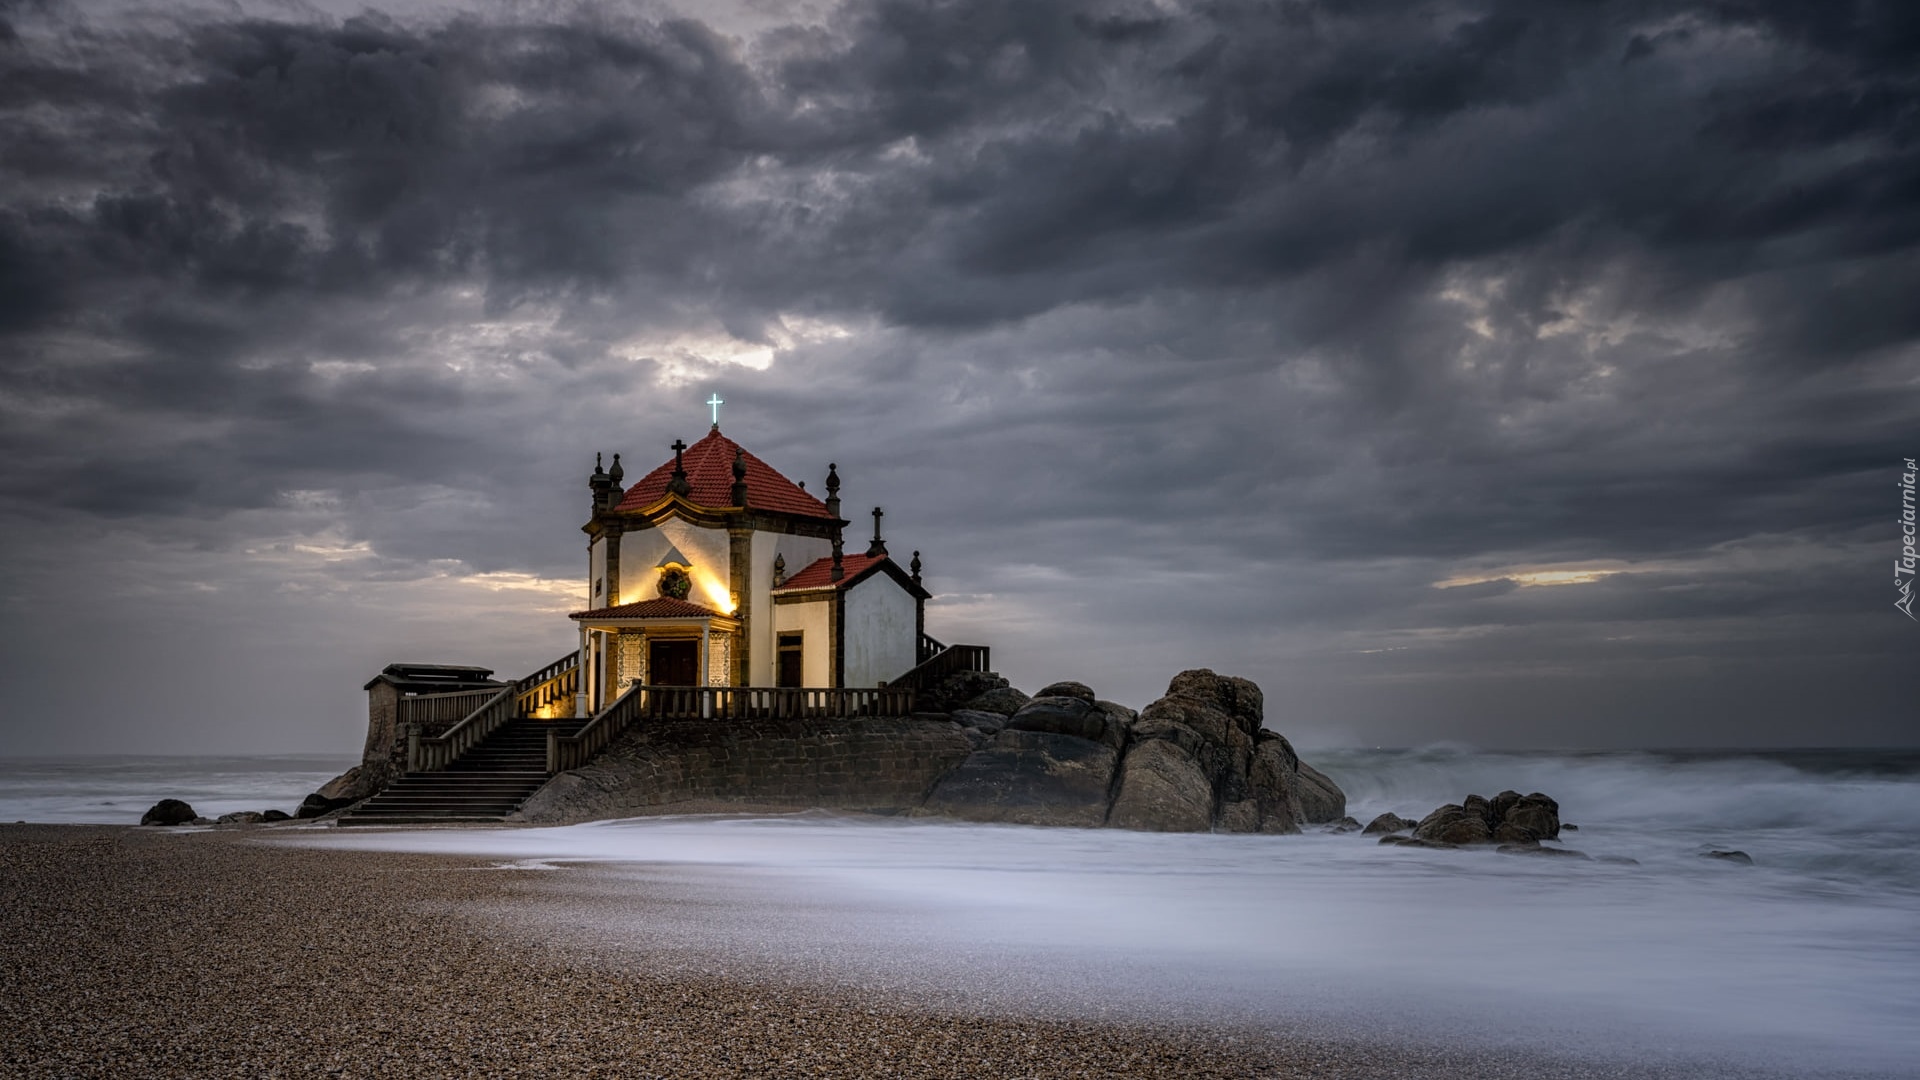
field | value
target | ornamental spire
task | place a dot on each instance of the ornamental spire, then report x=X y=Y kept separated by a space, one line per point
x=879 y=546
x=678 y=485
x=737 y=496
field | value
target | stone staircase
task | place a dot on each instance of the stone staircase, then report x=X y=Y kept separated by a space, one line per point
x=486 y=783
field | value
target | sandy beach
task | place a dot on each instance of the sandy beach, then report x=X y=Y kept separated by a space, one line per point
x=143 y=952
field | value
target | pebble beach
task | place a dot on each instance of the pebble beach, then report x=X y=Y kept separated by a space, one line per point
x=128 y=952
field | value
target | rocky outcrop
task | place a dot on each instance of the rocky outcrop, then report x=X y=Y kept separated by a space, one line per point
x=1387 y=824
x=169 y=812
x=241 y=817
x=1509 y=819
x=1198 y=759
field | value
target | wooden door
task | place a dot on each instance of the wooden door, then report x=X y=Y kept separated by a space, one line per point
x=673 y=662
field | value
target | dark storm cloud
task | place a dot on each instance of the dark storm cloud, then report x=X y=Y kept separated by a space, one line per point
x=1267 y=315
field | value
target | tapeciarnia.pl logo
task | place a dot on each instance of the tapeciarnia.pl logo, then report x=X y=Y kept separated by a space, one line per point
x=1904 y=565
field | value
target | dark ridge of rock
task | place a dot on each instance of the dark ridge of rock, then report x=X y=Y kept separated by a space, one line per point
x=1536 y=812
x=1067 y=688
x=1074 y=716
x=1564 y=827
x=1509 y=833
x=989 y=722
x=1415 y=841
x=240 y=817
x=1619 y=860
x=270 y=816
x=1540 y=849
x=1388 y=823
x=1480 y=808
x=1028 y=777
x=318 y=805
x=959 y=690
x=1004 y=700
x=168 y=812
x=1740 y=857
x=351 y=786
x=1344 y=825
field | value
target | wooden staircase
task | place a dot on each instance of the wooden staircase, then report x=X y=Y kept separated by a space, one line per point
x=486 y=783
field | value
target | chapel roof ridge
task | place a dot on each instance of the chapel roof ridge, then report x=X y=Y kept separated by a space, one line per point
x=708 y=464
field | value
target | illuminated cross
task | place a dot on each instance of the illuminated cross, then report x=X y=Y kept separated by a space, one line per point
x=716 y=403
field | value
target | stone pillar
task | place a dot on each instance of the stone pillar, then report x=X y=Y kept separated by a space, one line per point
x=740 y=584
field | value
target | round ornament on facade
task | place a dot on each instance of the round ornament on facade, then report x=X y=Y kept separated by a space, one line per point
x=674 y=582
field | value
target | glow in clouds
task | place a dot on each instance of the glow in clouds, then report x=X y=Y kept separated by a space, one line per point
x=1545 y=574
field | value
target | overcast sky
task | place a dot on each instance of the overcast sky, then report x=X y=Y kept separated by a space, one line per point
x=1521 y=374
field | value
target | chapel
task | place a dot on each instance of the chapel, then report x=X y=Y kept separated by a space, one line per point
x=714 y=569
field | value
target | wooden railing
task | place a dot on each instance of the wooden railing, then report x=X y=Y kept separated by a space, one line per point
x=572 y=751
x=554 y=685
x=948 y=661
x=430 y=753
x=439 y=710
x=719 y=703
x=929 y=648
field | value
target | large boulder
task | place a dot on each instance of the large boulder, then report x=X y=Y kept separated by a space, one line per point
x=1004 y=700
x=318 y=805
x=1387 y=824
x=1076 y=716
x=1535 y=812
x=1028 y=777
x=353 y=785
x=1067 y=688
x=1453 y=824
x=169 y=812
x=958 y=689
x=1162 y=790
x=1321 y=800
x=1204 y=747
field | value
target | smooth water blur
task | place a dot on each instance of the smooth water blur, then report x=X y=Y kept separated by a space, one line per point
x=1807 y=962
x=117 y=790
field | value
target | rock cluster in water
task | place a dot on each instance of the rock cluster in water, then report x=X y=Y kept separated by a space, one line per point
x=1512 y=822
x=1197 y=760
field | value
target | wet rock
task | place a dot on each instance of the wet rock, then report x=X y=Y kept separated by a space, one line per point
x=1388 y=824
x=1536 y=812
x=169 y=812
x=1028 y=777
x=1415 y=841
x=1061 y=715
x=1162 y=789
x=1540 y=849
x=1344 y=825
x=270 y=816
x=1004 y=700
x=350 y=786
x=317 y=805
x=1618 y=860
x=1067 y=688
x=240 y=817
x=1740 y=857
x=1564 y=827
x=1321 y=800
x=1508 y=833
x=990 y=722
x=1452 y=824
x=1480 y=808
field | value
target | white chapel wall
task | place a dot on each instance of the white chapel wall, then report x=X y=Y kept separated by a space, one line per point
x=705 y=549
x=597 y=572
x=809 y=620
x=881 y=634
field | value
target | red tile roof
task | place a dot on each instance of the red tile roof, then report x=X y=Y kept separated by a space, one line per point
x=818 y=573
x=660 y=607
x=709 y=465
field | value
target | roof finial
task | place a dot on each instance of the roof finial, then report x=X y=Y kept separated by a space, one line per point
x=738 y=495
x=616 y=474
x=715 y=402
x=879 y=546
x=678 y=485
x=779 y=569
x=833 y=490
x=914 y=567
